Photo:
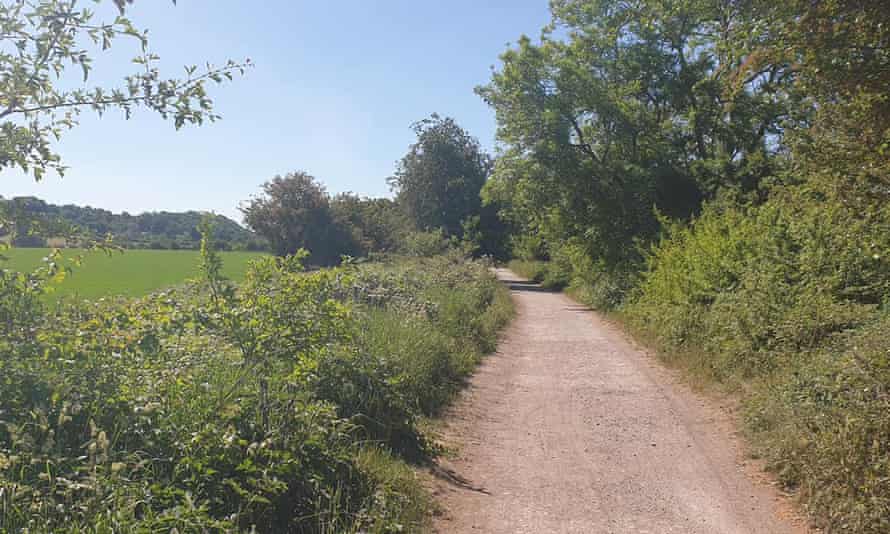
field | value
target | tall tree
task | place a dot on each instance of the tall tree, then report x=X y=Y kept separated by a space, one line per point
x=375 y=224
x=839 y=53
x=625 y=108
x=439 y=179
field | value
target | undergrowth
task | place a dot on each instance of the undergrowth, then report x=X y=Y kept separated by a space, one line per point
x=545 y=273
x=787 y=304
x=288 y=403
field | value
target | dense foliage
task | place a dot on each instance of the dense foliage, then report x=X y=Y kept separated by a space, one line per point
x=280 y=405
x=759 y=133
x=629 y=111
x=31 y=222
x=370 y=224
x=296 y=212
x=438 y=181
x=286 y=403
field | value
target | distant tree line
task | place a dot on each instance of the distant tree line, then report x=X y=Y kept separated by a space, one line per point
x=32 y=222
x=437 y=204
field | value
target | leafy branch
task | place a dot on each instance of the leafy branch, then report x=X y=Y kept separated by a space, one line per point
x=41 y=41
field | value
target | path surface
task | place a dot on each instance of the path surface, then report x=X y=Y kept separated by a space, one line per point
x=570 y=429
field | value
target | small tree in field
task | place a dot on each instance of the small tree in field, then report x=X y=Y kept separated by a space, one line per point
x=293 y=213
x=41 y=40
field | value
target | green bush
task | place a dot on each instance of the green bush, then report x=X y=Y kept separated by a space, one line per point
x=364 y=389
x=426 y=244
x=434 y=342
x=281 y=405
x=425 y=364
x=529 y=247
x=572 y=269
x=785 y=300
x=825 y=427
x=545 y=273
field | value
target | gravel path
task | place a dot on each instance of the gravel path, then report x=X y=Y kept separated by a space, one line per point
x=570 y=428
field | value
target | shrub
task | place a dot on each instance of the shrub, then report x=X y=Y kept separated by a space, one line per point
x=270 y=406
x=825 y=427
x=426 y=244
x=434 y=341
x=425 y=363
x=785 y=299
x=544 y=272
x=571 y=268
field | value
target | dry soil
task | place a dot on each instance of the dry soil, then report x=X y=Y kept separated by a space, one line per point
x=570 y=428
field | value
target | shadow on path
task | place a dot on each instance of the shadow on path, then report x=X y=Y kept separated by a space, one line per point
x=451 y=476
x=525 y=285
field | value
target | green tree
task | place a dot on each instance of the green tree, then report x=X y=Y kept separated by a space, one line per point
x=375 y=224
x=294 y=212
x=30 y=216
x=839 y=54
x=41 y=41
x=627 y=107
x=438 y=181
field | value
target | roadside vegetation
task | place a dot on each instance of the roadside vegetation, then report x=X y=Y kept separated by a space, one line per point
x=288 y=403
x=222 y=391
x=758 y=132
x=716 y=174
x=545 y=273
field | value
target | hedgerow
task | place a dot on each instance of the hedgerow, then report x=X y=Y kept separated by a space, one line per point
x=787 y=302
x=277 y=405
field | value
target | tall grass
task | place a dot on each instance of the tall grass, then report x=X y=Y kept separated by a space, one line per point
x=288 y=403
x=786 y=304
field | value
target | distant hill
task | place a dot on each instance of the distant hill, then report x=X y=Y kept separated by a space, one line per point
x=154 y=230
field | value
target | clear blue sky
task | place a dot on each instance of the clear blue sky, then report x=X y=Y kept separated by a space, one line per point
x=335 y=88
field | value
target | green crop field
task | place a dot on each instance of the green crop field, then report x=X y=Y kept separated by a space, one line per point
x=131 y=273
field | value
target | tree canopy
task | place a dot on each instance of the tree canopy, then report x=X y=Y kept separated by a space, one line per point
x=293 y=212
x=369 y=224
x=296 y=212
x=625 y=106
x=438 y=181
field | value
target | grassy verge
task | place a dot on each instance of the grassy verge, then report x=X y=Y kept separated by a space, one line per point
x=290 y=402
x=785 y=305
x=819 y=417
x=434 y=330
x=545 y=273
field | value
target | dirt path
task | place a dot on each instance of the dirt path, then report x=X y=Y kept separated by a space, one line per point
x=569 y=428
